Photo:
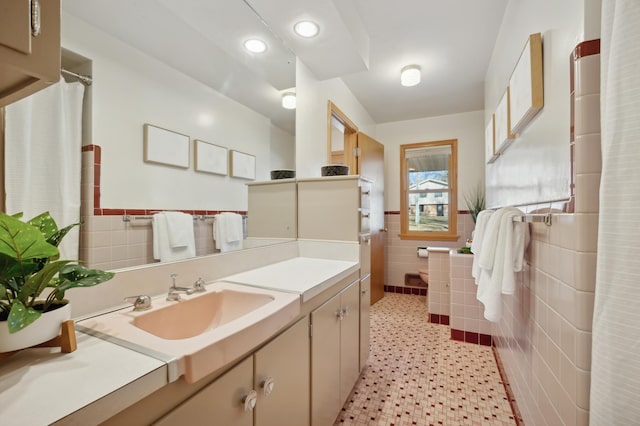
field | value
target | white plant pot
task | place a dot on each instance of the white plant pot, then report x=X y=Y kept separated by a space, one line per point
x=44 y=328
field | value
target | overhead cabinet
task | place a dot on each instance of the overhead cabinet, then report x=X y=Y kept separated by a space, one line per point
x=29 y=47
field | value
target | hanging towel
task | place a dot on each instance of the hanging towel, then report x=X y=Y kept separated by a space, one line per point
x=162 y=249
x=476 y=245
x=228 y=232
x=180 y=226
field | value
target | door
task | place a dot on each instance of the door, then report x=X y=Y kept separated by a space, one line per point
x=220 y=403
x=349 y=339
x=370 y=165
x=282 y=378
x=325 y=363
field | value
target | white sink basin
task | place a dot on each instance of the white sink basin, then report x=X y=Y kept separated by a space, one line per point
x=203 y=332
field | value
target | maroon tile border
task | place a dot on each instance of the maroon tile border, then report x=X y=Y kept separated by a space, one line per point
x=405 y=290
x=97 y=211
x=507 y=388
x=397 y=212
x=586 y=48
x=439 y=319
x=471 y=337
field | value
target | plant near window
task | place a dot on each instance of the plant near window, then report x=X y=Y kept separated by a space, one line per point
x=475 y=201
x=29 y=264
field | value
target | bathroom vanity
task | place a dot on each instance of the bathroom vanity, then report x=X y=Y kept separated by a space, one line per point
x=301 y=374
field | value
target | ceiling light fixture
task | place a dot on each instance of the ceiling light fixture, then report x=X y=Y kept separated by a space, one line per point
x=255 y=46
x=410 y=75
x=289 y=100
x=306 y=29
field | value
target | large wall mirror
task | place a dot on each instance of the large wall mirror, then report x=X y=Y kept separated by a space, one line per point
x=180 y=66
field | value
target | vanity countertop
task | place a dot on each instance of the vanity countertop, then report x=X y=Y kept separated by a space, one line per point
x=41 y=386
x=302 y=275
x=99 y=379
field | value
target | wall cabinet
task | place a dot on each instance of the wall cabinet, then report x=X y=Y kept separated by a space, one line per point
x=29 y=47
x=273 y=210
x=365 y=319
x=269 y=388
x=334 y=354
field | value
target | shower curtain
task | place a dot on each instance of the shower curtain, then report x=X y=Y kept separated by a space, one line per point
x=43 y=142
x=615 y=366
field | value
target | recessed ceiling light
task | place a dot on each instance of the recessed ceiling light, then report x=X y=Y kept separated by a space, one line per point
x=289 y=100
x=410 y=75
x=255 y=46
x=306 y=29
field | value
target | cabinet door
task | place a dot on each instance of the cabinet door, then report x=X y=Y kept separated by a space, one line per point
x=325 y=363
x=284 y=365
x=220 y=403
x=349 y=340
x=15 y=25
x=365 y=307
x=28 y=63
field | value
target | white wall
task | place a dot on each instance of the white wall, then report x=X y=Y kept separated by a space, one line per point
x=311 y=118
x=536 y=167
x=283 y=149
x=467 y=127
x=130 y=89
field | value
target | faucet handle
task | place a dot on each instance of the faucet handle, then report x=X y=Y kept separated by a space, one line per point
x=199 y=285
x=141 y=302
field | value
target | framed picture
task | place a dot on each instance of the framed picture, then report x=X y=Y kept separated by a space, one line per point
x=503 y=135
x=242 y=165
x=210 y=158
x=162 y=146
x=527 y=92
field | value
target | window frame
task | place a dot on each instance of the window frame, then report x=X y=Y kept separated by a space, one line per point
x=452 y=233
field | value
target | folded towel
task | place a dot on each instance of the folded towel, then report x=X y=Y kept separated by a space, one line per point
x=180 y=226
x=162 y=249
x=228 y=231
x=498 y=260
x=476 y=245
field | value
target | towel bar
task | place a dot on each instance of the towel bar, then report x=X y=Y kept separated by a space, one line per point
x=533 y=218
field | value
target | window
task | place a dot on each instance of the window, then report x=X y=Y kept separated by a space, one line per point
x=428 y=190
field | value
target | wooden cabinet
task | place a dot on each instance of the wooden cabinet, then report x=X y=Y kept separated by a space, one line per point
x=29 y=60
x=276 y=377
x=365 y=321
x=273 y=209
x=334 y=354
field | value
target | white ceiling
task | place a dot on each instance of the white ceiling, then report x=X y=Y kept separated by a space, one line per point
x=364 y=42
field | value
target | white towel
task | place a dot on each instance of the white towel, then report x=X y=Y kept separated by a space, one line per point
x=228 y=232
x=162 y=249
x=180 y=226
x=476 y=245
x=501 y=254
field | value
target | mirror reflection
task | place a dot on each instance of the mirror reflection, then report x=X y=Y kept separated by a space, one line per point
x=185 y=70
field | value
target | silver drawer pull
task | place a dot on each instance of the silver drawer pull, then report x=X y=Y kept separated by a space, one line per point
x=35 y=18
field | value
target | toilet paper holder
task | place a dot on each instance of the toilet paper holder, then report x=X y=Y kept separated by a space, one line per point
x=422 y=252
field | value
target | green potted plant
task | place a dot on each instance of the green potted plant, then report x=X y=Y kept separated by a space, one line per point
x=475 y=201
x=29 y=265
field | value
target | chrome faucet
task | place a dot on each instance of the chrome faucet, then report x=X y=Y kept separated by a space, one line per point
x=174 y=290
x=198 y=286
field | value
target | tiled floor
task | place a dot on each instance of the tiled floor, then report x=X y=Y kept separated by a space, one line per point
x=418 y=376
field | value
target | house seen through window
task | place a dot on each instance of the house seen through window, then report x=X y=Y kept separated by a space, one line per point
x=428 y=178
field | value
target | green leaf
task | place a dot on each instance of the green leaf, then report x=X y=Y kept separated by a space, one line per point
x=40 y=280
x=72 y=276
x=3 y=292
x=56 y=238
x=20 y=316
x=46 y=224
x=22 y=241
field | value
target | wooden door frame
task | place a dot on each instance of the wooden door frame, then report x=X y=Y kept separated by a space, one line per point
x=350 y=133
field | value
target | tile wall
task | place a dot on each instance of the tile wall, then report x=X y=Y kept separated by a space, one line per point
x=439 y=299
x=544 y=336
x=401 y=255
x=467 y=313
x=108 y=242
